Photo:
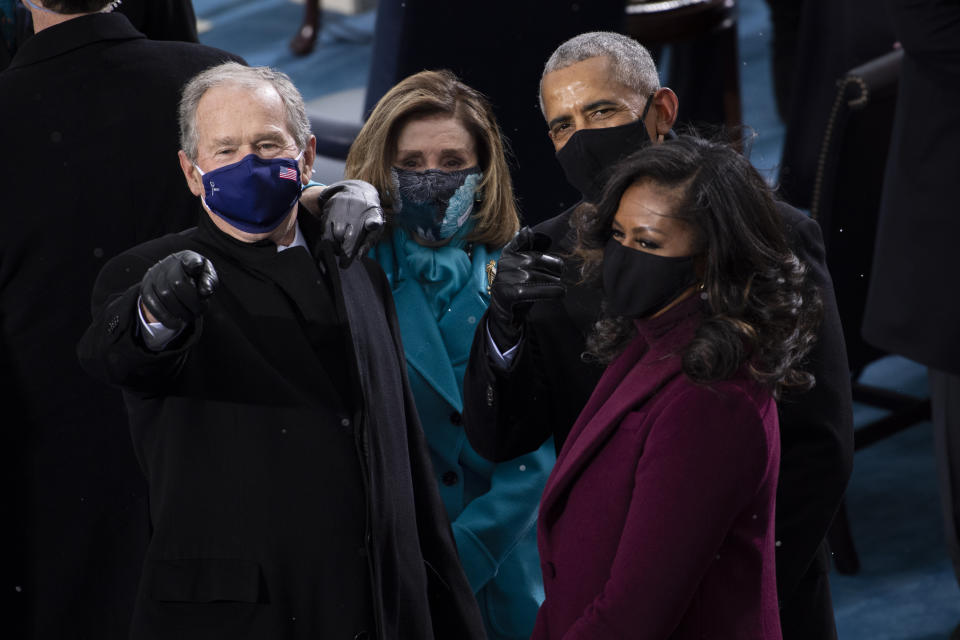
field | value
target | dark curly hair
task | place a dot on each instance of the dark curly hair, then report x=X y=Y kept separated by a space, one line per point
x=761 y=311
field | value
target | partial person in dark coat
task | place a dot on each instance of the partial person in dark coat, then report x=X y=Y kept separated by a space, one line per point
x=658 y=519
x=602 y=100
x=291 y=493
x=911 y=305
x=15 y=28
x=89 y=106
x=156 y=19
x=825 y=39
x=162 y=19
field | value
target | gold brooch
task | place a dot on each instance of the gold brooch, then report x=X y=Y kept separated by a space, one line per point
x=491 y=274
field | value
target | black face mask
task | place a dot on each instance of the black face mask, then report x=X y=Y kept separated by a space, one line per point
x=637 y=284
x=590 y=154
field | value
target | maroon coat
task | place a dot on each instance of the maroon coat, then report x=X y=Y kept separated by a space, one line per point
x=657 y=521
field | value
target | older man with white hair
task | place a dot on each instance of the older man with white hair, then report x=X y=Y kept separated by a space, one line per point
x=290 y=488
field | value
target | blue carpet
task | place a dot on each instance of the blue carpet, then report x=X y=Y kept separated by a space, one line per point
x=906 y=589
x=759 y=109
x=259 y=30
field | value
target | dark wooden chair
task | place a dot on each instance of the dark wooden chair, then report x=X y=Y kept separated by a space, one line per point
x=846 y=202
x=654 y=23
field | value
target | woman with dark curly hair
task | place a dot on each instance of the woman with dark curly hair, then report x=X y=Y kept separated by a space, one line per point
x=658 y=519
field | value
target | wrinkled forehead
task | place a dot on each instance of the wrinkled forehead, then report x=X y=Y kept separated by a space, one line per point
x=242 y=106
x=588 y=80
x=433 y=130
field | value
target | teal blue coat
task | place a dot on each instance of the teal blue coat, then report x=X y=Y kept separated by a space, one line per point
x=492 y=507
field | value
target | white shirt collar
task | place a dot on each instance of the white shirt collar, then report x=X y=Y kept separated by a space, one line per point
x=298 y=240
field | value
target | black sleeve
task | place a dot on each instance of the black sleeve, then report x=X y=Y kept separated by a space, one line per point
x=502 y=411
x=816 y=427
x=111 y=349
x=453 y=607
x=511 y=412
x=929 y=29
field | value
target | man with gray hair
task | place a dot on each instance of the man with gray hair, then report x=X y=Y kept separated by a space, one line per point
x=290 y=487
x=526 y=380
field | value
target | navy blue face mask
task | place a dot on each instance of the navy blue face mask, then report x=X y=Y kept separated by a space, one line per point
x=254 y=194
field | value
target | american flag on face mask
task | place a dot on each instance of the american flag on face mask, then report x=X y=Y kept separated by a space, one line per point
x=287 y=173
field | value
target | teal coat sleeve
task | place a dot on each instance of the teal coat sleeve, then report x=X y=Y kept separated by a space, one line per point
x=493 y=524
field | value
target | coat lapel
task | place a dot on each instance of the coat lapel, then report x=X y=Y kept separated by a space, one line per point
x=78 y=33
x=459 y=323
x=422 y=342
x=627 y=383
x=425 y=341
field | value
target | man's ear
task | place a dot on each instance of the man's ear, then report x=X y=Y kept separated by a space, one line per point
x=190 y=173
x=665 y=106
x=306 y=162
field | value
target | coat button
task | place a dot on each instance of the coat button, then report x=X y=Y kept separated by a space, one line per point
x=449 y=478
x=456 y=419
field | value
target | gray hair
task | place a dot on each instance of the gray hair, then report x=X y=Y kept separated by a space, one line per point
x=631 y=63
x=233 y=73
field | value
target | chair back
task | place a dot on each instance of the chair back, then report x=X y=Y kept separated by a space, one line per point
x=848 y=184
x=654 y=22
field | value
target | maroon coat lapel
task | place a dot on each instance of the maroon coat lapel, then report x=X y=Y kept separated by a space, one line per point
x=651 y=360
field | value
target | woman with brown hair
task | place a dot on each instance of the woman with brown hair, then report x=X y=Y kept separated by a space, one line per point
x=435 y=154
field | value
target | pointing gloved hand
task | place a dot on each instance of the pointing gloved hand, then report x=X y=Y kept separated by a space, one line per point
x=352 y=217
x=175 y=290
x=525 y=274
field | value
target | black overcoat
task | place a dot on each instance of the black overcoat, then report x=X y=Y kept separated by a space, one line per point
x=285 y=502
x=88 y=109
x=510 y=412
x=162 y=19
x=912 y=308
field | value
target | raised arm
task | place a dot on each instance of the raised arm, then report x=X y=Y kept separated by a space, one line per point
x=130 y=294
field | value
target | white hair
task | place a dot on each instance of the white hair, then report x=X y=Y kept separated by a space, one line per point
x=631 y=64
x=233 y=73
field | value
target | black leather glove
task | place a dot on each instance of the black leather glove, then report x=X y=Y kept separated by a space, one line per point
x=525 y=274
x=352 y=217
x=175 y=290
